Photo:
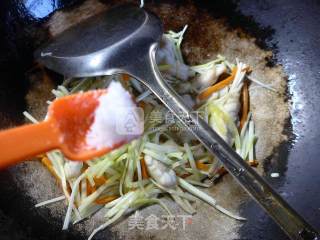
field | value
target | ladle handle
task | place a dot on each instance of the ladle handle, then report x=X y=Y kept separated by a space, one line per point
x=20 y=143
x=286 y=217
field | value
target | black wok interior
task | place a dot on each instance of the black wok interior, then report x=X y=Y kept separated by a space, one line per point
x=289 y=28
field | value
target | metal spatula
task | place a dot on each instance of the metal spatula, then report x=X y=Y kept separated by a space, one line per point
x=125 y=40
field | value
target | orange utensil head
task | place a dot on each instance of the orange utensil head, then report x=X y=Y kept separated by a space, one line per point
x=73 y=116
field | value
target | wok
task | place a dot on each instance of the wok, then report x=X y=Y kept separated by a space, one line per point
x=288 y=28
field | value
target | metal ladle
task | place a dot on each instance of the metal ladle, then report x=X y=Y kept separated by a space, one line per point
x=124 y=40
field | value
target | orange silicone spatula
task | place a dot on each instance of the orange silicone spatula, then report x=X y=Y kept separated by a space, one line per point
x=68 y=121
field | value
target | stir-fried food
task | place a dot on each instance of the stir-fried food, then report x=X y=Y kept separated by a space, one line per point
x=165 y=159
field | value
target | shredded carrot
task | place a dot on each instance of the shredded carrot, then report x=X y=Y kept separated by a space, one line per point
x=245 y=104
x=202 y=166
x=46 y=162
x=90 y=189
x=99 y=181
x=253 y=163
x=106 y=199
x=218 y=86
x=125 y=77
x=144 y=170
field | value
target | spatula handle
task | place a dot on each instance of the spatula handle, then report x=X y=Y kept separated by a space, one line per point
x=286 y=217
x=20 y=143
